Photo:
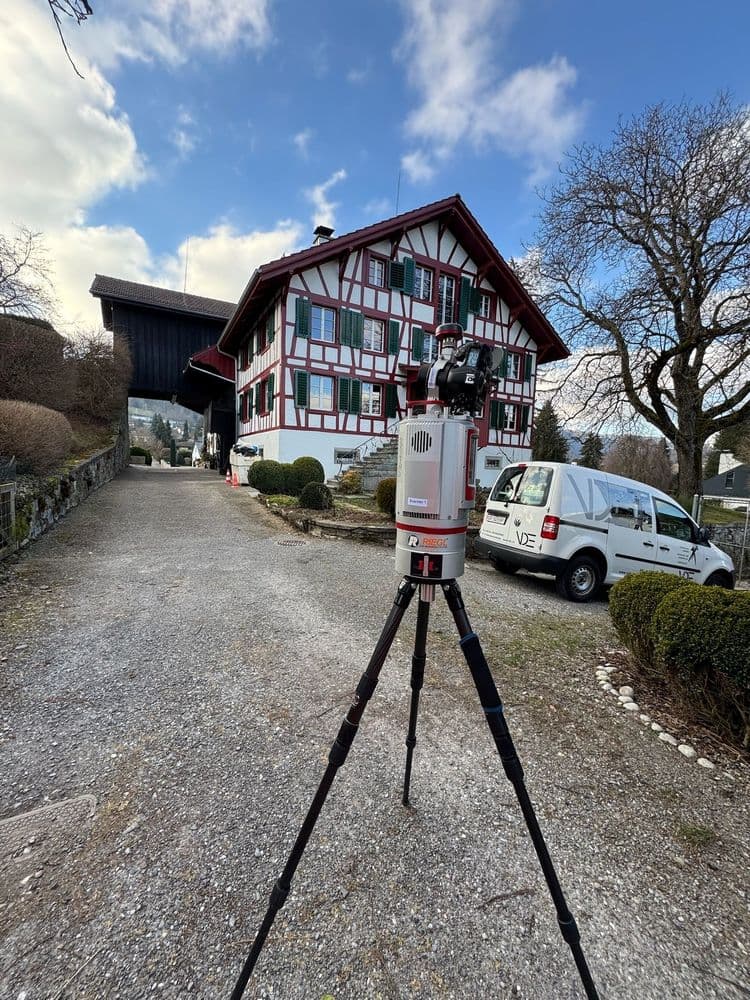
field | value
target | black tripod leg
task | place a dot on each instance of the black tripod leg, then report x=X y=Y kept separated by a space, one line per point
x=417 y=679
x=336 y=758
x=493 y=710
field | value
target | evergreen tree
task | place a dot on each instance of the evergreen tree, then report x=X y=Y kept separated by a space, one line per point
x=168 y=435
x=185 y=431
x=157 y=425
x=548 y=442
x=711 y=468
x=592 y=452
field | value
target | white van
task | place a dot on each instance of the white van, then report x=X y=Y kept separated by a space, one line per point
x=589 y=528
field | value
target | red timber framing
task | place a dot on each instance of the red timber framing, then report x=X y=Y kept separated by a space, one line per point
x=315 y=330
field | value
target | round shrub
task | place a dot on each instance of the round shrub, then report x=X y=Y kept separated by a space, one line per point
x=144 y=452
x=184 y=456
x=385 y=496
x=39 y=438
x=632 y=603
x=350 y=482
x=286 y=468
x=304 y=470
x=266 y=476
x=316 y=496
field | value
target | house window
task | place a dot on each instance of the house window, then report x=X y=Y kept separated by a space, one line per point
x=243 y=408
x=376 y=272
x=323 y=324
x=510 y=418
x=371 y=399
x=372 y=334
x=729 y=480
x=321 y=390
x=513 y=369
x=485 y=305
x=430 y=349
x=446 y=298
x=493 y=463
x=423 y=283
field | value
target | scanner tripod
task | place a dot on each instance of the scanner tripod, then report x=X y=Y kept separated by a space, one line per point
x=493 y=710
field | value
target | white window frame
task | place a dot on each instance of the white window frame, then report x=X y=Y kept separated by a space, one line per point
x=376 y=272
x=322 y=312
x=429 y=341
x=485 y=305
x=318 y=398
x=372 y=400
x=446 y=315
x=510 y=417
x=373 y=334
x=514 y=366
x=423 y=276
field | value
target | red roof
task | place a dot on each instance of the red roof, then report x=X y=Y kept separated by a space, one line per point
x=210 y=357
x=452 y=211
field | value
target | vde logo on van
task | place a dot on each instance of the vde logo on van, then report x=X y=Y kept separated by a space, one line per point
x=590 y=529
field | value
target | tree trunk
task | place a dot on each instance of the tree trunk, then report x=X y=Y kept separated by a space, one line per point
x=690 y=463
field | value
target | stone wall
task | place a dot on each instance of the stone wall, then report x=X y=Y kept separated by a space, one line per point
x=41 y=502
x=730 y=538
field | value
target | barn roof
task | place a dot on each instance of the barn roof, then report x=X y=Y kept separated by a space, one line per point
x=153 y=297
x=452 y=211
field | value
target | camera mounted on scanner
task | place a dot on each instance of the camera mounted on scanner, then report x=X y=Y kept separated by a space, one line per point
x=437 y=448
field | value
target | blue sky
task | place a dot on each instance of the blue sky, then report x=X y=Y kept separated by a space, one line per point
x=240 y=125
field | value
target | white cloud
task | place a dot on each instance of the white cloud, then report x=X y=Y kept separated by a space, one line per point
x=183 y=136
x=379 y=208
x=66 y=142
x=302 y=141
x=170 y=30
x=417 y=167
x=324 y=208
x=451 y=54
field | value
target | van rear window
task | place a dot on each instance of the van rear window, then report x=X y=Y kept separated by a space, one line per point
x=533 y=489
x=505 y=486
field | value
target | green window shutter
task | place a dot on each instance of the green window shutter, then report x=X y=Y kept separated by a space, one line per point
x=394 y=336
x=355 y=397
x=463 y=303
x=269 y=392
x=250 y=348
x=258 y=398
x=409 y=275
x=396 y=275
x=302 y=317
x=494 y=405
x=501 y=416
x=249 y=398
x=391 y=400
x=270 y=332
x=475 y=300
x=525 y=411
x=502 y=368
x=344 y=384
x=528 y=367
x=417 y=343
x=358 y=328
x=345 y=327
x=301 y=384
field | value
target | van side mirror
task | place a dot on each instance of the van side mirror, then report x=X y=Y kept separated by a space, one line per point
x=703 y=536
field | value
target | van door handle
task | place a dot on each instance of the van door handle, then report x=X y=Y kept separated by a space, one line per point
x=649 y=545
x=664 y=548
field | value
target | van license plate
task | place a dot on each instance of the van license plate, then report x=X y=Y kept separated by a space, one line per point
x=498 y=518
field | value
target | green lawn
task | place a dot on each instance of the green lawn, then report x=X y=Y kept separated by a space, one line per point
x=714 y=514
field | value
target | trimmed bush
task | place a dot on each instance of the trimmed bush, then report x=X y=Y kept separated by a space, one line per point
x=143 y=452
x=350 y=482
x=304 y=470
x=39 y=438
x=34 y=363
x=267 y=476
x=102 y=376
x=316 y=496
x=701 y=636
x=385 y=496
x=632 y=603
x=288 y=478
x=184 y=456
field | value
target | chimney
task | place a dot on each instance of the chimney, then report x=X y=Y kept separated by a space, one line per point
x=322 y=234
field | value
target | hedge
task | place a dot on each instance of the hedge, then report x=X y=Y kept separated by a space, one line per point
x=316 y=496
x=267 y=476
x=694 y=638
x=39 y=438
x=304 y=470
x=143 y=452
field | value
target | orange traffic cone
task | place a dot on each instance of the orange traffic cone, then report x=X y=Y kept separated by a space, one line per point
x=228 y=479
x=235 y=481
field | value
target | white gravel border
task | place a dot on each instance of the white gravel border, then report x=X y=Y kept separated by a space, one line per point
x=626 y=698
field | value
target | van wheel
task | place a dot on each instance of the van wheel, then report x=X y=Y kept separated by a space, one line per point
x=504 y=567
x=719 y=579
x=579 y=580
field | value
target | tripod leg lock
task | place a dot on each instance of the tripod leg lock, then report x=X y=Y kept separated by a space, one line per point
x=342 y=744
x=569 y=929
x=279 y=894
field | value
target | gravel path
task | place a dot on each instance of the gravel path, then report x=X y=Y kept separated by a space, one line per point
x=176 y=652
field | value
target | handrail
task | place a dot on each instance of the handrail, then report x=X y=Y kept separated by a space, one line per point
x=366 y=447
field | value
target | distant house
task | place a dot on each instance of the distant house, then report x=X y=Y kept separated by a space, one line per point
x=732 y=482
x=328 y=341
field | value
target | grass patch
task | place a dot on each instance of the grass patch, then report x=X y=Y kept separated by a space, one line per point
x=283 y=500
x=361 y=503
x=539 y=636
x=695 y=835
x=713 y=514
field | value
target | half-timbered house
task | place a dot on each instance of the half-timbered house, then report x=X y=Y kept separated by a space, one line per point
x=328 y=340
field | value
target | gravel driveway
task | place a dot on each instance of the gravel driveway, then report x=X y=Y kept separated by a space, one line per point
x=174 y=665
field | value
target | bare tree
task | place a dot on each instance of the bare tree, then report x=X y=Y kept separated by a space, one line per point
x=644 y=267
x=642 y=458
x=25 y=286
x=78 y=11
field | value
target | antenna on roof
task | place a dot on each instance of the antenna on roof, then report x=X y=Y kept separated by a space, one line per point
x=187 y=251
x=398 y=189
